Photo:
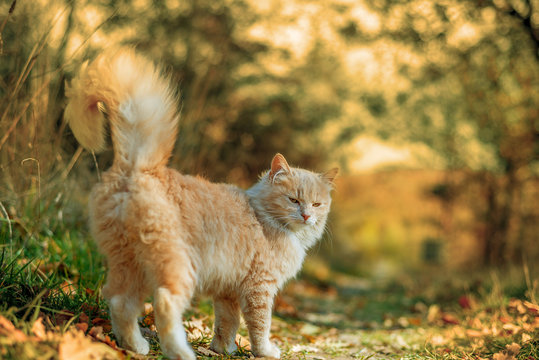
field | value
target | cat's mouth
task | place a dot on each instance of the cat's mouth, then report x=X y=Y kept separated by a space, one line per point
x=305 y=222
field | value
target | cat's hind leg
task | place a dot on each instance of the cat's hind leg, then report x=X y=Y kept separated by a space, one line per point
x=174 y=278
x=125 y=292
x=169 y=309
x=227 y=321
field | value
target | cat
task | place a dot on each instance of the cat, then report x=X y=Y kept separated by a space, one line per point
x=172 y=235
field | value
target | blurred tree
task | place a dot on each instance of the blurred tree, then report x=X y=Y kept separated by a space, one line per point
x=473 y=99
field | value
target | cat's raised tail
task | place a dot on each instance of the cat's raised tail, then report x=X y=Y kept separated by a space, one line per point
x=131 y=93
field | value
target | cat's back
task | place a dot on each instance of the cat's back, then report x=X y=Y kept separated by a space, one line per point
x=213 y=208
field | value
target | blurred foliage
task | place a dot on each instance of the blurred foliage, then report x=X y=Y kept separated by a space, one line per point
x=305 y=78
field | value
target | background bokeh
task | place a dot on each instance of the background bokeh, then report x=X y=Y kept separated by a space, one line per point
x=430 y=109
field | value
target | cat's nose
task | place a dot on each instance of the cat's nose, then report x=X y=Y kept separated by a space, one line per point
x=305 y=217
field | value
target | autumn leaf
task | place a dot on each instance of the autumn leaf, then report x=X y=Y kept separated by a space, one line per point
x=8 y=329
x=103 y=323
x=76 y=346
x=449 y=319
x=465 y=302
x=509 y=353
x=243 y=342
x=38 y=329
x=474 y=333
x=532 y=308
x=83 y=318
x=82 y=327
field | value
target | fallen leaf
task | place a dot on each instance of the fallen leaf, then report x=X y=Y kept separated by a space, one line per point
x=449 y=319
x=148 y=308
x=433 y=314
x=243 y=342
x=104 y=323
x=309 y=338
x=465 y=302
x=513 y=348
x=110 y=342
x=438 y=340
x=8 y=329
x=83 y=318
x=474 y=333
x=512 y=328
x=415 y=321
x=509 y=353
x=533 y=308
x=97 y=333
x=517 y=305
x=196 y=329
x=62 y=317
x=38 y=329
x=76 y=346
x=82 y=327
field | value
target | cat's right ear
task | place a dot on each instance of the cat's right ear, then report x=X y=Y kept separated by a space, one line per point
x=329 y=176
x=278 y=166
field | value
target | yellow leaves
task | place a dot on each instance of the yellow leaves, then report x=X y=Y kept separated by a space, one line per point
x=243 y=342
x=510 y=352
x=75 y=346
x=8 y=330
x=196 y=328
x=71 y=345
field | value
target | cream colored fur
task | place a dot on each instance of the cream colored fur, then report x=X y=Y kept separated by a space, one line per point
x=171 y=235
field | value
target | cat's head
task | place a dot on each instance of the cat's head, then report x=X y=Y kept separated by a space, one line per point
x=296 y=198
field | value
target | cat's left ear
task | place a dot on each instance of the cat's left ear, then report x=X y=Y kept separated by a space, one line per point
x=278 y=166
x=329 y=176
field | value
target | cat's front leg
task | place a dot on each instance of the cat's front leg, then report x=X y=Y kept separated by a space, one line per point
x=227 y=321
x=256 y=307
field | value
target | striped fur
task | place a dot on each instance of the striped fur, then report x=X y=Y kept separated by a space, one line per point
x=171 y=235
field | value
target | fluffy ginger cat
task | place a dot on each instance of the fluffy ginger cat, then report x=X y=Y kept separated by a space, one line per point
x=173 y=236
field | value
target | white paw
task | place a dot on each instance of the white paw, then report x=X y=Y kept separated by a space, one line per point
x=221 y=348
x=142 y=347
x=270 y=350
x=183 y=354
x=176 y=347
x=138 y=344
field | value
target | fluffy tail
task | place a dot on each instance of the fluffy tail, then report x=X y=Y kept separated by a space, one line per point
x=139 y=104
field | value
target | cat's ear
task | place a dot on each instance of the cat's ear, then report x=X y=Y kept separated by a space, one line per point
x=278 y=166
x=330 y=175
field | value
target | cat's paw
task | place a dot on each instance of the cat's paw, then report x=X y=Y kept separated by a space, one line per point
x=269 y=350
x=183 y=353
x=137 y=344
x=142 y=347
x=175 y=346
x=222 y=348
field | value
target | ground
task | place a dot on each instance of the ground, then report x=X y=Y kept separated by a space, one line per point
x=49 y=310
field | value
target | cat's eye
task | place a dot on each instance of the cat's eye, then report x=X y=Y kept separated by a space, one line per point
x=295 y=201
x=316 y=204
